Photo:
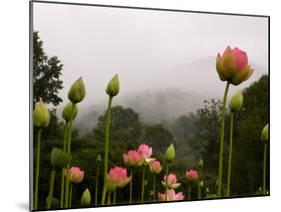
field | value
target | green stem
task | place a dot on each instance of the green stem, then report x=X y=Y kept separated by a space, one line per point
x=166 y=186
x=51 y=189
x=67 y=182
x=107 y=128
x=37 y=169
x=131 y=185
x=230 y=155
x=114 y=196
x=108 y=198
x=222 y=140
x=189 y=191
x=199 y=191
x=66 y=195
x=62 y=187
x=68 y=150
x=154 y=190
x=97 y=185
x=264 y=169
x=70 y=195
x=63 y=169
x=142 y=185
x=65 y=136
x=69 y=132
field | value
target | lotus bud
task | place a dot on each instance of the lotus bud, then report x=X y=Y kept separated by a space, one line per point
x=69 y=112
x=98 y=160
x=191 y=175
x=59 y=158
x=233 y=66
x=144 y=152
x=113 y=86
x=236 y=102
x=86 y=198
x=170 y=181
x=110 y=186
x=117 y=177
x=76 y=175
x=201 y=184
x=200 y=164
x=41 y=116
x=155 y=167
x=170 y=153
x=77 y=91
x=264 y=135
x=132 y=158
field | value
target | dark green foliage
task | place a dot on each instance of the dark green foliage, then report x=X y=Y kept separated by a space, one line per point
x=195 y=135
x=46 y=74
x=125 y=125
x=158 y=137
x=248 y=147
x=208 y=123
x=184 y=128
x=55 y=128
x=198 y=135
x=59 y=158
x=46 y=85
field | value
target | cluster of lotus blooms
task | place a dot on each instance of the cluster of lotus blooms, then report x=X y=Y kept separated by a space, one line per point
x=142 y=157
x=232 y=67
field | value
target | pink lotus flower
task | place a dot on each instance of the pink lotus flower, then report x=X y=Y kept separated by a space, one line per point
x=191 y=175
x=233 y=66
x=132 y=158
x=171 y=181
x=118 y=176
x=75 y=174
x=155 y=167
x=144 y=151
x=171 y=195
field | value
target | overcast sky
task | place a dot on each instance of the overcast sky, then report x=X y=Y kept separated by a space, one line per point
x=150 y=50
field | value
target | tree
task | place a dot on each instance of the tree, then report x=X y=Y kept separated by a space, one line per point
x=158 y=136
x=46 y=85
x=248 y=148
x=207 y=137
x=184 y=129
x=46 y=74
x=125 y=125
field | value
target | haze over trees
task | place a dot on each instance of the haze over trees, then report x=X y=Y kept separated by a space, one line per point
x=195 y=135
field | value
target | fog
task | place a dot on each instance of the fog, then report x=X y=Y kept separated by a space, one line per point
x=165 y=60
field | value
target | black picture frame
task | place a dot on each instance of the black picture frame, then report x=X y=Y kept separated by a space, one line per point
x=31 y=106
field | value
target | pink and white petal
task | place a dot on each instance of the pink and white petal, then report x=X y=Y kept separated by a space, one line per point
x=241 y=58
x=175 y=185
x=229 y=65
x=179 y=196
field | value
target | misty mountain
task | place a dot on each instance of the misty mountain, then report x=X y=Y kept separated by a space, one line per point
x=203 y=78
x=166 y=104
x=152 y=107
